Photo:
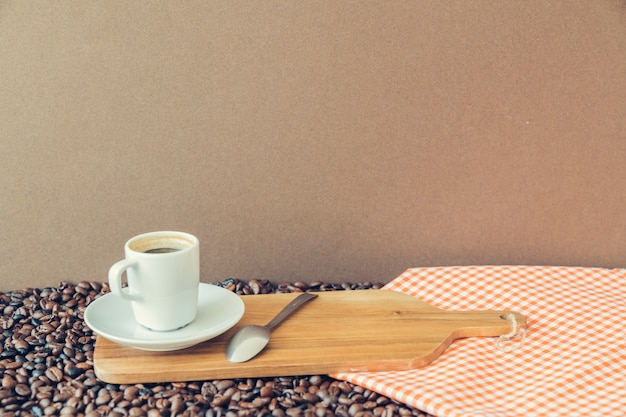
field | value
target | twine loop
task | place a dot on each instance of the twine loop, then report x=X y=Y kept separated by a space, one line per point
x=517 y=332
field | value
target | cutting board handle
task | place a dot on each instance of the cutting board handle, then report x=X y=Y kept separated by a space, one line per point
x=476 y=323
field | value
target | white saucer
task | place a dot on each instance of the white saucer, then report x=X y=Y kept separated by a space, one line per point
x=111 y=317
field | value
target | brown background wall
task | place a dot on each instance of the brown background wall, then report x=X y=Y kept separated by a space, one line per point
x=333 y=140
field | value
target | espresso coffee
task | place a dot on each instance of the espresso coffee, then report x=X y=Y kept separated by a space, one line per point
x=166 y=243
x=162 y=250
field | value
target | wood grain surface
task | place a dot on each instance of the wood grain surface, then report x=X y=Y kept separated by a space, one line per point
x=339 y=331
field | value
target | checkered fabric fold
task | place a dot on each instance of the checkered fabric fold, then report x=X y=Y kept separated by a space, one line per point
x=572 y=362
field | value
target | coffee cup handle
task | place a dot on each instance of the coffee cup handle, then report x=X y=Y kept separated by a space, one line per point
x=115 y=279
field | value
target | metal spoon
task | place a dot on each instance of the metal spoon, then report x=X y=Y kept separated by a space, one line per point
x=248 y=341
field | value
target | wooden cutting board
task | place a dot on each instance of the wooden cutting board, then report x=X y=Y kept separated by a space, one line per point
x=339 y=331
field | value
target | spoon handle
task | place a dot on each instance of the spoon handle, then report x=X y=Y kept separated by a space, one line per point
x=290 y=308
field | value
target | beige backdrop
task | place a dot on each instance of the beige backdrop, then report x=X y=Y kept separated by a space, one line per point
x=312 y=140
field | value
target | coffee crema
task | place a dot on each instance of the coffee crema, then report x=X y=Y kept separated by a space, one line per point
x=162 y=250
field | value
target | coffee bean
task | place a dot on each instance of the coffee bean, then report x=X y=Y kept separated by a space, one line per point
x=315 y=380
x=6 y=322
x=54 y=374
x=72 y=371
x=13 y=365
x=177 y=404
x=153 y=412
x=266 y=391
x=369 y=405
x=278 y=413
x=309 y=397
x=230 y=392
x=345 y=387
x=73 y=402
x=260 y=402
x=5 y=393
x=344 y=400
x=220 y=401
x=50 y=410
x=8 y=382
x=22 y=390
x=160 y=403
x=355 y=408
x=294 y=412
x=67 y=410
x=300 y=389
x=225 y=384
x=342 y=411
x=255 y=286
x=103 y=397
x=21 y=346
x=136 y=412
x=8 y=353
x=130 y=393
x=244 y=387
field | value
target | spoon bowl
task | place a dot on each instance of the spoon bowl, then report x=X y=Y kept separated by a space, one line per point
x=248 y=341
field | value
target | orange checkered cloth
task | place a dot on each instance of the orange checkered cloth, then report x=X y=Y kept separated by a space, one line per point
x=572 y=362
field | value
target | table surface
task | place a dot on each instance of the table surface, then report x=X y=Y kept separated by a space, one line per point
x=46 y=358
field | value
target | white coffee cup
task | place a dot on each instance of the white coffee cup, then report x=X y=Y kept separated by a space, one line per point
x=163 y=275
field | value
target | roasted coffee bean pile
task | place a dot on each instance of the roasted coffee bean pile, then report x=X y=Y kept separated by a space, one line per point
x=46 y=360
